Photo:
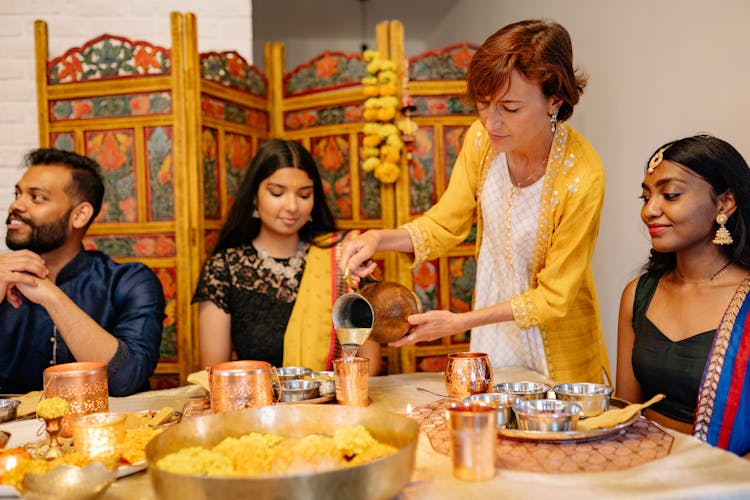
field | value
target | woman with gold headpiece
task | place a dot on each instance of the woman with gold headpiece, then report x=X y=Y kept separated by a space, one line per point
x=683 y=326
x=535 y=188
x=268 y=289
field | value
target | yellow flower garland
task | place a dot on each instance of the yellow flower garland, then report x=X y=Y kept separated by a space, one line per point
x=382 y=145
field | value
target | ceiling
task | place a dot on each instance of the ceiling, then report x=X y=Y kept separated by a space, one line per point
x=282 y=20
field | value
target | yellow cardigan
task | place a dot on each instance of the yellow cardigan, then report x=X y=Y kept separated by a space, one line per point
x=562 y=299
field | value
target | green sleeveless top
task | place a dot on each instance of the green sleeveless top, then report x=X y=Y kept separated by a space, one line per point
x=663 y=366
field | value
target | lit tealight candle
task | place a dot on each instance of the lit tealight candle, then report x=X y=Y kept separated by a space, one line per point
x=97 y=436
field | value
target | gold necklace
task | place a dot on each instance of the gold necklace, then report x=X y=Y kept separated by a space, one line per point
x=703 y=280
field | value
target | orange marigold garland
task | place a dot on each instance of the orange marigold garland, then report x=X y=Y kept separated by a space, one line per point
x=382 y=145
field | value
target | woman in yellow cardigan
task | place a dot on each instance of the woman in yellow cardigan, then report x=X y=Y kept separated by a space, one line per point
x=535 y=187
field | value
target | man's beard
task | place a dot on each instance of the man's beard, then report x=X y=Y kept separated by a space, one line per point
x=43 y=238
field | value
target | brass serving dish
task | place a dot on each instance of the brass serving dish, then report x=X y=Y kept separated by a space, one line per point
x=380 y=479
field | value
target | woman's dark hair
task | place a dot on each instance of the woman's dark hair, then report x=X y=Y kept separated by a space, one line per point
x=241 y=227
x=541 y=51
x=86 y=179
x=723 y=167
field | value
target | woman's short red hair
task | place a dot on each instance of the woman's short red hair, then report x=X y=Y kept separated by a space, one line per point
x=541 y=51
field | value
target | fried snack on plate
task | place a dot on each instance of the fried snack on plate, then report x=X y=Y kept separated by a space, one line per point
x=616 y=416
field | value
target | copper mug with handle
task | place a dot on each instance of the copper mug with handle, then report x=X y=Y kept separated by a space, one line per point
x=235 y=385
x=467 y=373
x=381 y=305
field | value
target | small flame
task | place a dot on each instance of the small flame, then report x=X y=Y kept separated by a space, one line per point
x=408 y=409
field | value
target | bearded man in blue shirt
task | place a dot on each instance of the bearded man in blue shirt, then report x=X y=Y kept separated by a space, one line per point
x=60 y=303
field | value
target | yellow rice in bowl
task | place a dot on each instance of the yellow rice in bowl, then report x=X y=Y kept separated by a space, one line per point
x=256 y=454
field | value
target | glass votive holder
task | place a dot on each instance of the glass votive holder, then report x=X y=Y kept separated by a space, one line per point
x=98 y=436
x=83 y=385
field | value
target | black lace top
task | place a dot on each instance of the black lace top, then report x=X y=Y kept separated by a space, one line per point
x=259 y=301
x=664 y=366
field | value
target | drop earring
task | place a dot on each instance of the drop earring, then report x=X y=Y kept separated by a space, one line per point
x=553 y=121
x=722 y=234
x=255 y=214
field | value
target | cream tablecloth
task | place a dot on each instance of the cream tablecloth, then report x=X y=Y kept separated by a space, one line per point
x=692 y=469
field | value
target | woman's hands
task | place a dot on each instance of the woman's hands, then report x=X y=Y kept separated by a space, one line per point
x=432 y=325
x=356 y=254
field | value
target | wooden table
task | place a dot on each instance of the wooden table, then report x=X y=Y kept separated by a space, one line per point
x=692 y=470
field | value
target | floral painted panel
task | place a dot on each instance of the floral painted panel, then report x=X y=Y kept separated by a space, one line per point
x=432 y=363
x=150 y=245
x=160 y=173
x=334 y=115
x=449 y=63
x=161 y=381
x=114 y=106
x=231 y=69
x=443 y=105
x=369 y=189
x=211 y=236
x=108 y=57
x=332 y=156
x=220 y=109
x=462 y=271
x=63 y=140
x=453 y=140
x=426 y=284
x=422 y=194
x=210 y=154
x=168 y=348
x=326 y=71
x=113 y=150
x=426 y=279
x=239 y=154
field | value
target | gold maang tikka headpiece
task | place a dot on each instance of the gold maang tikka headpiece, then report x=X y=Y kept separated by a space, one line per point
x=656 y=159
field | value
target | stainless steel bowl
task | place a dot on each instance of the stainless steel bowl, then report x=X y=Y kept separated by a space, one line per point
x=299 y=390
x=548 y=415
x=8 y=408
x=503 y=401
x=380 y=479
x=525 y=390
x=592 y=398
x=327 y=383
x=292 y=372
x=69 y=482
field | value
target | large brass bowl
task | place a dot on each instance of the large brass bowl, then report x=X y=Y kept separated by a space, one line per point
x=381 y=479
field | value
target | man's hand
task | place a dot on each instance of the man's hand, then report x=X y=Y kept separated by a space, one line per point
x=19 y=267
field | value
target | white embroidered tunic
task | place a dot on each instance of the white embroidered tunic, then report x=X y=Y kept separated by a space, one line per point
x=504 y=267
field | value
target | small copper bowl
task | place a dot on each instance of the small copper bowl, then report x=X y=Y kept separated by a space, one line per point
x=592 y=398
x=525 y=390
x=549 y=415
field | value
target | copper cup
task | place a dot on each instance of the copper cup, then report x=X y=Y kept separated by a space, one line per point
x=235 y=385
x=83 y=385
x=467 y=373
x=350 y=378
x=473 y=439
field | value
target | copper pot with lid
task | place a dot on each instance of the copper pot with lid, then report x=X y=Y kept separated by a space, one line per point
x=380 y=305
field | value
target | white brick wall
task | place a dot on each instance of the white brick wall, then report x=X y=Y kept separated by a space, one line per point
x=222 y=25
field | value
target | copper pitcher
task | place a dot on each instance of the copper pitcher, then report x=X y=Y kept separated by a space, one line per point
x=380 y=305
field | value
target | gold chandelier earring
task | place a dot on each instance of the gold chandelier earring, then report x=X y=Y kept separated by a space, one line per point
x=722 y=234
